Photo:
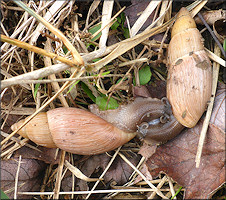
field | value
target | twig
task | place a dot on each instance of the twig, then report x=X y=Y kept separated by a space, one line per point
x=216 y=68
x=212 y=34
x=215 y=58
x=40 y=73
x=60 y=80
x=161 y=183
x=59 y=174
x=17 y=178
x=95 y=191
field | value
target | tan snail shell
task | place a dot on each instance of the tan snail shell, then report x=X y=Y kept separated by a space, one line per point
x=189 y=79
x=82 y=132
x=74 y=130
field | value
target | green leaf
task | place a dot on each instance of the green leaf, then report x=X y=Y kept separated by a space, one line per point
x=3 y=195
x=115 y=26
x=93 y=30
x=36 y=88
x=177 y=192
x=65 y=50
x=123 y=18
x=96 y=59
x=90 y=44
x=224 y=45
x=126 y=32
x=144 y=75
x=73 y=86
x=102 y=103
x=125 y=79
x=88 y=92
x=105 y=73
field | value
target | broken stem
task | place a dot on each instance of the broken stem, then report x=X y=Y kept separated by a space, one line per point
x=216 y=67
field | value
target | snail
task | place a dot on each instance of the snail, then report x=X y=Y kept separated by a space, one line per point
x=189 y=78
x=81 y=132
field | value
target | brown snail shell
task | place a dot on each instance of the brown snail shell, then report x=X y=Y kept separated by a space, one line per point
x=37 y=130
x=189 y=79
x=74 y=130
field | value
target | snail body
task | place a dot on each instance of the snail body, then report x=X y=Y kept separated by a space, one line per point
x=85 y=133
x=128 y=117
x=189 y=79
x=156 y=131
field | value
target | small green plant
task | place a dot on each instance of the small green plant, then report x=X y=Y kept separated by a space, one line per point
x=104 y=104
x=102 y=100
x=73 y=86
x=119 y=24
x=3 y=195
x=144 y=75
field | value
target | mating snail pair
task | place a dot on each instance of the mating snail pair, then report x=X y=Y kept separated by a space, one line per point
x=188 y=90
x=82 y=132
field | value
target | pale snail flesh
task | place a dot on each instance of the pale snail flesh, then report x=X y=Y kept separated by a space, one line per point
x=81 y=132
x=189 y=79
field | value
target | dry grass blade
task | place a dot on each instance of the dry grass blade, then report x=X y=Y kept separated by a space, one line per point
x=128 y=44
x=160 y=184
x=55 y=85
x=59 y=174
x=52 y=11
x=216 y=68
x=35 y=49
x=148 y=182
x=106 y=16
x=96 y=191
x=76 y=56
x=17 y=178
x=143 y=17
x=104 y=172
x=198 y=7
x=40 y=73
x=93 y=7
x=215 y=58
x=78 y=173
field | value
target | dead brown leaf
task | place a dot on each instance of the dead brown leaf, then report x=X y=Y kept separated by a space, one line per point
x=29 y=169
x=177 y=157
x=218 y=114
x=157 y=89
x=23 y=186
x=118 y=172
x=29 y=176
x=46 y=155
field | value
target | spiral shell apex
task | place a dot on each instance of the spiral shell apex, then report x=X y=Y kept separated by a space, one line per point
x=189 y=78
